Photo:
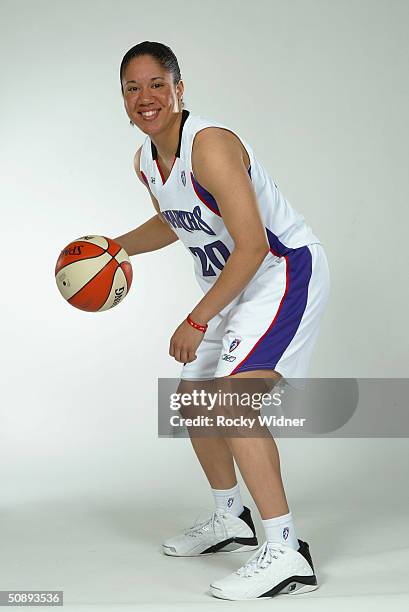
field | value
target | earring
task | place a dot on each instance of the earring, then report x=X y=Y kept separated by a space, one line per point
x=131 y=122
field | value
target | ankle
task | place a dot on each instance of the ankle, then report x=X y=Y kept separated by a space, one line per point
x=229 y=500
x=281 y=530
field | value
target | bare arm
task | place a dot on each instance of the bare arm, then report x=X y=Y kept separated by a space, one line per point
x=237 y=200
x=214 y=148
x=152 y=235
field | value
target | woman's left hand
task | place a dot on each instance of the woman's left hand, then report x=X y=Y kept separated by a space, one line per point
x=184 y=343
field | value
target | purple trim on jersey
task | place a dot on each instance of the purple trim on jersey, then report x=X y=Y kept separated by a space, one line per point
x=207 y=197
x=269 y=349
x=277 y=247
x=144 y=178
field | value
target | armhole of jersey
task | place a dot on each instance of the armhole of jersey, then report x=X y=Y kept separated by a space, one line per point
x=202 y=193
x=223 y=127
x=142 y=156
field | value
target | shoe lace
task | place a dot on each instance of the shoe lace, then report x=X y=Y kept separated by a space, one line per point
x=262 y=559
x=209 y=524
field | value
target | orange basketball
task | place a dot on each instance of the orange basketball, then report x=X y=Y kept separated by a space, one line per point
x=93 y=273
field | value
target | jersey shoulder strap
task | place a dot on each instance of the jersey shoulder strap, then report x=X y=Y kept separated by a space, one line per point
x=195 y=124
x=146 y=156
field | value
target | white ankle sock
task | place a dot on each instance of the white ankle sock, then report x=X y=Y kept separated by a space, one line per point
x=229 y=499
x=281 y=530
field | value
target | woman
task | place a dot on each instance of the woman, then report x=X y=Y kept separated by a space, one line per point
x=266 y=281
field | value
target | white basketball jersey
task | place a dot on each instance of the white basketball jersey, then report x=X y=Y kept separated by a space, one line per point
x=193 y=213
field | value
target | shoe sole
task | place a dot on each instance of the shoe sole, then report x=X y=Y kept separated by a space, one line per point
x=292 y=587
x=245 y=548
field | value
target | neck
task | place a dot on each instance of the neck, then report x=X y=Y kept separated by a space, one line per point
x=167 y=141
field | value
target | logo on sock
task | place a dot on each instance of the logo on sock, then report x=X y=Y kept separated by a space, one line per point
x=286 y=532
x=230 y=502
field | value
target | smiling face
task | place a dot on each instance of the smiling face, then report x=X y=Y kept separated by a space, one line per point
x=150 y=97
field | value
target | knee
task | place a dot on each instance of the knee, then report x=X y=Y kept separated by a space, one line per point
x=194 y=397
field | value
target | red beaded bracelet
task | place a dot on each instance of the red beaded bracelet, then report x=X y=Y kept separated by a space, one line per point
x=201 y=328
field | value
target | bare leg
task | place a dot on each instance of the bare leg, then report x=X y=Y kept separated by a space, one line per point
x=216 y=459
x=259 y=463
x=213 y=453
x=257 y=458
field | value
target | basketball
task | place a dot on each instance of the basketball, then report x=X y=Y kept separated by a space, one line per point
x=93 y=273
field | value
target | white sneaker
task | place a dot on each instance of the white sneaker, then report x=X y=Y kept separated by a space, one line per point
x=221 y=532
x=273 y=569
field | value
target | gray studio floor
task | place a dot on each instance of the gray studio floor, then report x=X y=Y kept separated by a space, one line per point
x=104 y=554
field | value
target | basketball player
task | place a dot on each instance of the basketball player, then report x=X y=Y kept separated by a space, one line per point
x=265 y=280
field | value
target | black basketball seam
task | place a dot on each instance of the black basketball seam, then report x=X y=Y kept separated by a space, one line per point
x=126 y=280
x=92 y=278
x=92 y=256
x=112 y=281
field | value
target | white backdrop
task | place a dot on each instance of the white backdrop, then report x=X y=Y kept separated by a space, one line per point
x=320 y=91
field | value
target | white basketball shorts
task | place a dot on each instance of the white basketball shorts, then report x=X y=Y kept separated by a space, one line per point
x=272 y=325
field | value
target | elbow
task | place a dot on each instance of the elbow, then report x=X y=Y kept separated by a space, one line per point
x=256 y=254
x=262 y=254
x=265 y=250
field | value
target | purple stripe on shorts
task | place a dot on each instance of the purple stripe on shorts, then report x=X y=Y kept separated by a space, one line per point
x=269 y=349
